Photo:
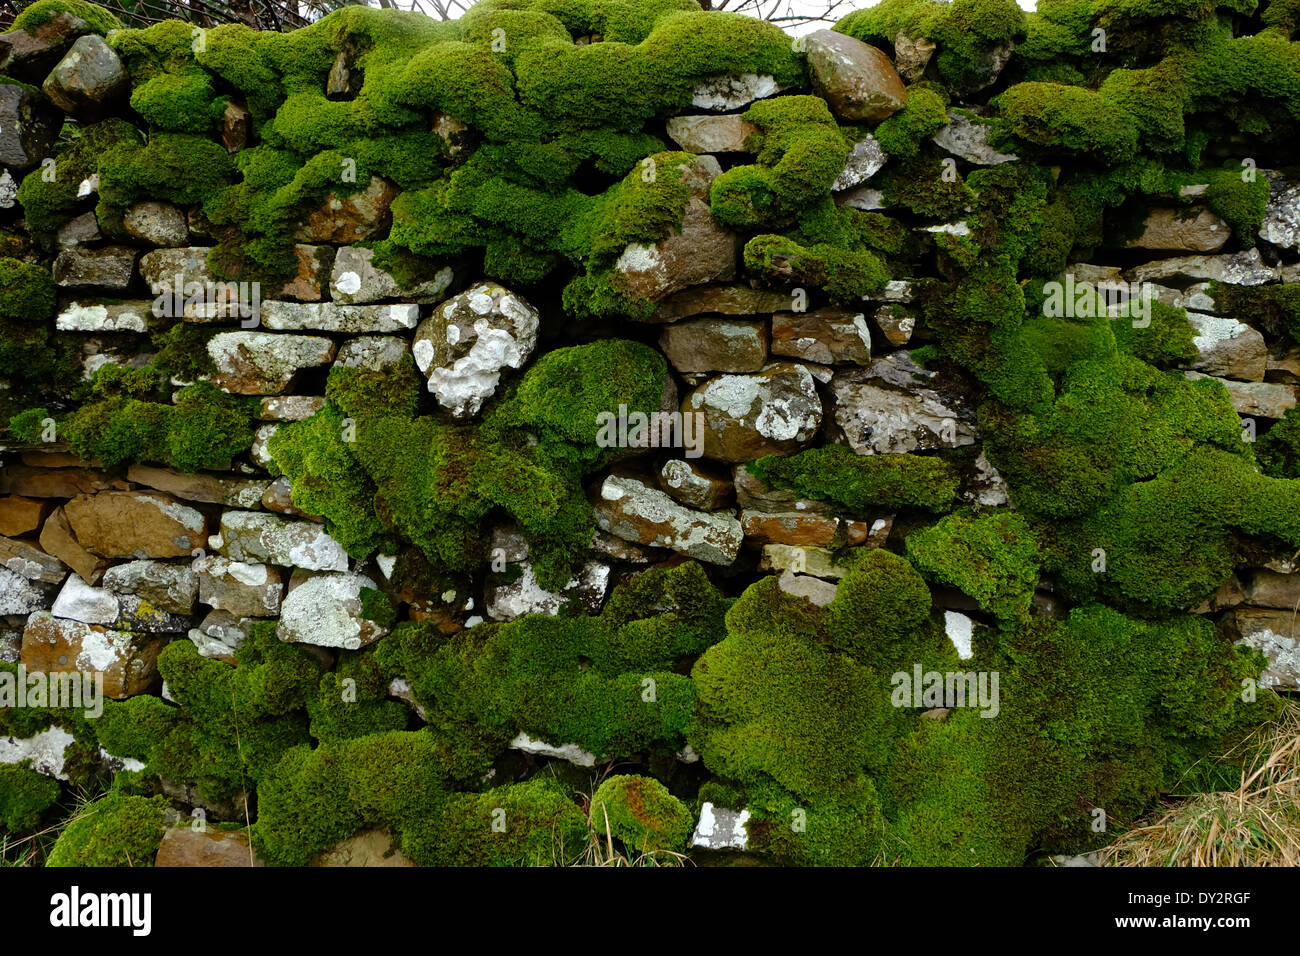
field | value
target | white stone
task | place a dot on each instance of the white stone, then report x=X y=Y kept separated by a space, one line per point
x=721 y=829
x=570 y=752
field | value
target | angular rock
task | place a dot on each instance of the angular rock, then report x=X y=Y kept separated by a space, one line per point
x=89 y=77
x=1284 y=368
x=726 y=92
x=254 y=537
x=58 y=540
x=135 y=524
x=830 y=336
x=816 y=590
x=326 y=611
x=1264 y=399
x=1228 y=348
x=20 y=595
x=715 y=345
x=184 y=266
x=617 y=549
x=330 y=317
x=893 y=407
x=260 y=451
x=29 y=561
x=369 y=848
x=56 y=482
x=632 y=510
x=721 y=300
x=470 y=340
x=985 y=486
x=1270 y=589
x=28 y=127
x=710 y=134
x=278 y=497
x=43 y=752
x=720 y=828
x=457 y=136
x=78 y=601
x=172 y=588
x=569 y=752
x=862 y=198
x=127 y=661
x=373 y=352
x=264 y=363
x=856 y=79
x=91 y=316
x=343 y=219
x=1274 y=633
x=969 y=141
x=80 y=230
x=792 y=527
x=110 y=267
x=895 y=324
x=1238 y=268
x=513 y=599
x=801 y=559
x=236 y=125
x=694 y=485
x=309 y=284
x=9 y=190
x=700 y=251
x=911 y=57
x=220 y=635
x=240 y=589
x=157 y=223
x=209 y=489
x=20 y=515
x=188 y=846
x=866 y=158
x=1281 y=225
x=776 y=411
x=751 y=493
x=1185 y=230
x=290 y=408
x=30 y=53
x=354 y=278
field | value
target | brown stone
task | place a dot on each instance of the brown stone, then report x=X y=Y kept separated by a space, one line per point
x=58 y=483
x=752 y=494
x=348 y=218
x=57 y=539
x=369 y=848
x=52 y=645
x=29 y=54
x=829 y=336
x=791 y=527
x=895 y=323
x=56 y=456
x=188 y=846
x=1270 y=589
x=313 y=275
x=136 y=524
x=236 y=124
x=745 y=417
x=856 y=80
x=720 y=300
x=210 y=489
x=711 y=134
x=695 y=484
x=1229 y=594
x=29 y=561
x=20 y=515
x=1183 y=230
x=716 y=345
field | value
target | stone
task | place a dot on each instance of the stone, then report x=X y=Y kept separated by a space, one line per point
x=700 y=251
x=985 y=487
x=239 y=588
x=30 y=53
x=260 y=450
x=220 y=635
x=28 y=127
x=1284 y=368
x=127 y=661
x=255 y=537
x=1274 y=633
x=1238 y=268
x=1186 y=230
x=830 y=336
x=236 y=126
x=1229 y=594
x=856 y=80
x=862 y=198
x=372 y=352
x=344 y=81
x=326 y=611
x=135 y=524
x=173 y=588
x=720 y=829
x=20 y=595
x=181 y=266
x=801 y=559
x=585 y=592
x=109 y=267
x=632 y=510
x=209 y=489
x=911 y=57
x=969 y=141
x=1270 y=589
x=710 y=134
x=866 y=158
x=55 y=483
x=43 y=752
x=92 y=316
x=895 y=324
x=457 y=136
x=1228 y=348
x=751 y=493
x=331 y=317
x=157 y=223
x=569 y=752
x=309 y=283
x=793 y=527
x=29 y=561
x=264 y=363
x=721 y=300
x=776 y=411
x=615 y=548
x=342 y=219
x=1263 y=399
x=9 y=189
x=1281 y=225
x=726 y=92
x=58 y=540
x=20 y=515
x=188 y=846
x=715 y=345
x=368 y=848
x=88 y=78
x=290 y=408
x=78 y=601
x=695 y=485
x=354 y=279
x=816 y=590
x=893 y=407
x=470 y=340
x=80 y=230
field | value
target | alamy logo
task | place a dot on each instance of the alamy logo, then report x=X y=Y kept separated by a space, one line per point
x=67 y=689
x=952 y=689
x=208 y=301
x=626 y=429
x=1088 y=300
x=73 y=909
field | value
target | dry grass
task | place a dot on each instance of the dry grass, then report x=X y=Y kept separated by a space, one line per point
x=1258 y=824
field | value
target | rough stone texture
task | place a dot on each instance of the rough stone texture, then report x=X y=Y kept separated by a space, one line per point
x=239 y=588
x=43 y=752
x=31 y=562
x=794 y=527
x=634 y=511
x=1270 y=589
x=830 y=336
x=262 y=363
x=373 y=352
x=135 y=524
x=701 y=251
x=342 y=219
x=753 y=494
x=911 y=57
x=20 y=515
x=695 y=485
x=816 y=590
x=776 y=411
x=211 y=489
x=325 y=610
x=58 y=540
x=1228 y=348
x=329 y=317
x=92 y=316
x=370 y=848
x=29 y=54
x=1238 y=268
x=710 y=134
x=290 y=408
x=969 y=141
x=127 y=661
x=720 y=299
x=236 y=125
x=173 y=588
x=470 y=340
x=863 y=198
x=1265 y=399
x=79 y=230
x=354 y=279
x=21 y=595
x=1281 y=225
x=28 y=127
x=895 y=324
x=513 y=599
x=254 y=537
x=1187 y=230
x=866 y=158
x=110 y=267
x=893 y=407
x=715 y=345
x=191 y=846
x=856 y=80
x=720 y=828
x=801 y=559
x=88 y=78
x=1276 y=634
x=726 y=92
x=309 y=284
x=157 y=223
x=9 y=189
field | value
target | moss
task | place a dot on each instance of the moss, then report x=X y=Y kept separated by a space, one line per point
x=181 y=103
x=1279 y=450
x=27 y=426
x=862 y=483
x=1057 y=118
x=641 y=814
x=49 y=198
x=901 y=135
x=992 y=557
x=176 y=167
x=26 y=292
x=1273 y=308
x=43 y=11
x=25 y=795
x=115 y=830
x=846 y=275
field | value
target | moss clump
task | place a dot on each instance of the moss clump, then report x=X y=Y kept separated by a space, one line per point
x=178 y=167
x=49 y=195
x=43 y=11
x=845 y=274
x=641 y=814
x=993 y=558
x=901 y=135
x=116 y=830
x=25 y=795
x=862 y=482
x=26 y=292
x=1279 y=450
x=180 y=103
